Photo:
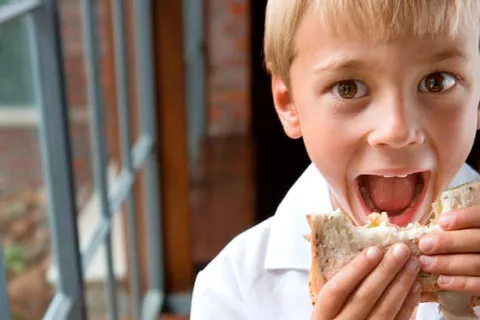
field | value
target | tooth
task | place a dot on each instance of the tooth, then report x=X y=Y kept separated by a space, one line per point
x=393 y=176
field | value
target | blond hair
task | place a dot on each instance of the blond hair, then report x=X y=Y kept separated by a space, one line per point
x=376 y=20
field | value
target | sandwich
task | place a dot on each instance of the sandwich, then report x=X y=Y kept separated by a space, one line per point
x=335 y=241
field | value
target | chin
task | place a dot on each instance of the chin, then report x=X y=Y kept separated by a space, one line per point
x=417 y=210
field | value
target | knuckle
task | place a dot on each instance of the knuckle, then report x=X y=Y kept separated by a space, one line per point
x=476 y=265
x=334 y=288
x=476 y=239
x=455 y=283
x=445 y=241
x=362 y=294
x=461 y=283
x=472 y=284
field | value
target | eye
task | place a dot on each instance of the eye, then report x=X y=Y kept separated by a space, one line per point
x=350 y=89
x=437 y=82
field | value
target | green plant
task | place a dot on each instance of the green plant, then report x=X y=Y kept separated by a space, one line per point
x=14 y=256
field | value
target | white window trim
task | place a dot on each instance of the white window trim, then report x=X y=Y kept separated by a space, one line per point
x=88 y=219
x=28 y=116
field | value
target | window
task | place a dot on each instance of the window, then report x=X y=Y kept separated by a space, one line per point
x=16 y=88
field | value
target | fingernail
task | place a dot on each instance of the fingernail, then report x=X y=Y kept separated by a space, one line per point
x=426 y=244
x=444 y=280
x=400 y=251
x=427 y=261
x=373 y=253
x=445 y=221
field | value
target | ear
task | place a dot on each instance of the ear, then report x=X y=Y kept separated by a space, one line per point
x=285 y=108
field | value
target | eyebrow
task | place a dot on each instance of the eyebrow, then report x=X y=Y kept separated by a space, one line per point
x=349 y=63
x=339 y=63
x=447 y=55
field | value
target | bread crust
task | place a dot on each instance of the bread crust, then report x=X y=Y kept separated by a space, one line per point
x=315 y=280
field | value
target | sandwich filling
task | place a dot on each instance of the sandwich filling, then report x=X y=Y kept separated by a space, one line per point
x=397 y=196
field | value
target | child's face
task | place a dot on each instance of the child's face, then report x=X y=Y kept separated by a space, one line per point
x=388 y=125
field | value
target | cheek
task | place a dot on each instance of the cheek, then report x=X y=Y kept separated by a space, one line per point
x=330 y=143
x=453 y=136
x=454 y=133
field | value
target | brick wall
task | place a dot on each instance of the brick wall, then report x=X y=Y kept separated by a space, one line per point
x=228 y=65
x=73 y=49
x=21 y=159
x=72 y=38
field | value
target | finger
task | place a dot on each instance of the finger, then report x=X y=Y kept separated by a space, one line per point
x=344 y=282
x=362 y=301
x=464 y=264
x=459 y=283
x=467 y=218
x=411 y=302
x=457 y=241
x=393 y=298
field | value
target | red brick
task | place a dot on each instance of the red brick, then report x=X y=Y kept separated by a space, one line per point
x=238 y=9
x=21 y=161
x=228 y=76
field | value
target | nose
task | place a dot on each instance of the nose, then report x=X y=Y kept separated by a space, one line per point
x=396 y=127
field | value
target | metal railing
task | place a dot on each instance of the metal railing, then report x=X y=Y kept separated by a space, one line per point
x=70 y=260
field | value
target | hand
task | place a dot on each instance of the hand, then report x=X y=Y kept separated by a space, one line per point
x=455 y=253
x=375 y=285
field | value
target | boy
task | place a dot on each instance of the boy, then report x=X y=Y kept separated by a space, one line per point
x=385 y=94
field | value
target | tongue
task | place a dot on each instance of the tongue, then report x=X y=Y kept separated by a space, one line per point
x=391 y=194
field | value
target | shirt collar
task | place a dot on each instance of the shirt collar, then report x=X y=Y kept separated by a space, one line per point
x=287 y=247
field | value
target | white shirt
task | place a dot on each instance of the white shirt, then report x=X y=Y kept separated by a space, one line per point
x=263 y=273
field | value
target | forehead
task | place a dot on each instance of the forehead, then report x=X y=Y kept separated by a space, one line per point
x=347 y=36
x=386 y=20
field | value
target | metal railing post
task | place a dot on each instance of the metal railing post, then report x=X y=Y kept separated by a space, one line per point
x=56 y=156
x=127 y=163
x=154 y=300
x=100 y=154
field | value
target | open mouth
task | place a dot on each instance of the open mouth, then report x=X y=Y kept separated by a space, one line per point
x=399 y=196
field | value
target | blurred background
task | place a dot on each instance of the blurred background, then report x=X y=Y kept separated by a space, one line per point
x=223 y=162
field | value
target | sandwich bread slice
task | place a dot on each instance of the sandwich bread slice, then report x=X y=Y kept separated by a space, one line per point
x=335 y=241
